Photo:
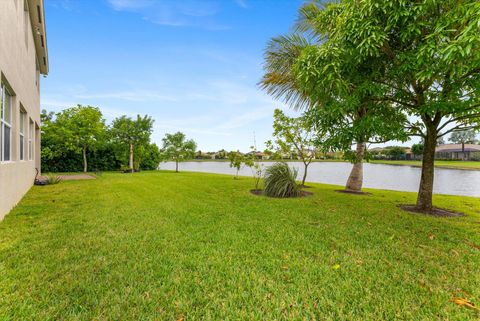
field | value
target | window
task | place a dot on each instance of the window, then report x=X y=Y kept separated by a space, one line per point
x=30 y=140
x=23 y=120
x=5 y=124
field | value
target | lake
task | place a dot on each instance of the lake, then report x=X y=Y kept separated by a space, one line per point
x=380 y=176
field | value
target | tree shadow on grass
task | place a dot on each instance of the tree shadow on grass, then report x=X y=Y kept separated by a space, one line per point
x=437 y=212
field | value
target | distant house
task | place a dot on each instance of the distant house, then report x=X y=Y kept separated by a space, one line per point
x=23 y=58
x=455 y=151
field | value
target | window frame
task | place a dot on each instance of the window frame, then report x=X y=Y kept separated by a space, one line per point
x=31 y=130
x=4 y=123
x=21 y=132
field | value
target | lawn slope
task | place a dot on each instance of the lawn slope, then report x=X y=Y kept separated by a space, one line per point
x=166 y=246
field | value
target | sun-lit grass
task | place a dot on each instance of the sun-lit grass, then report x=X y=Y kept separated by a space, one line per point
x=165 y=246
x=438 y=163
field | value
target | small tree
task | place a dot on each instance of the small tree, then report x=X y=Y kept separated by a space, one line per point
x=177 y=148
x=417 y=149
x=149 y=157
x=463 y=137
x=396 y=152
x=132 y=133
x=294 y=135
x=237 y=160
x=81 y=128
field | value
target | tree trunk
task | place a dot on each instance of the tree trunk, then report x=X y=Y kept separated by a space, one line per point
x=176 y=165
x=355 y=180
x=130 y=162
x=84 y=159
x=424 y=199
x=463 y=151
x=305 y=174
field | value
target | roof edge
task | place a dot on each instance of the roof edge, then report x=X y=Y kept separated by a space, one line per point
x=36 y=11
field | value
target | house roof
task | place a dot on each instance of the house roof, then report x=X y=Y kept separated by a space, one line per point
x=37 y=19
x=449 y=148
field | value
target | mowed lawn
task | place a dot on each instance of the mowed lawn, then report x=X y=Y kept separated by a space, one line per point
x=167 y=246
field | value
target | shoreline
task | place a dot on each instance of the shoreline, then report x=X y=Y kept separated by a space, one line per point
x=412 y=163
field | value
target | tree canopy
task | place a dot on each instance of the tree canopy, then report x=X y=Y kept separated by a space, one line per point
x=80 y=128
x=76 y=134
x=132 y=133
x=421 y=59
x=294 y=135
x=176 y=147
x=463 y=137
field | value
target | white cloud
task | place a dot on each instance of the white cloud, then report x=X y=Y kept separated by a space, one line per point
x=120 y=5
x=138 y=96
x=55 y=104
x=247 y=118
x=67 y=5
x=191 y=13
x=241 y=3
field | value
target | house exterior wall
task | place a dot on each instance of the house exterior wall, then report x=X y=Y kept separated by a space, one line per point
x=458 y=155
x=20 y=76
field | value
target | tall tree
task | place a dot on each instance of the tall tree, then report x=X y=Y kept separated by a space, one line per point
x=132 y=133
x=176 y=147
x=81 y=128
x=463 y=137
x=428 y=62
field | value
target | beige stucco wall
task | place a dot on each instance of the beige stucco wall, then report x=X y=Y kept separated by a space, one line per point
x=18 y=68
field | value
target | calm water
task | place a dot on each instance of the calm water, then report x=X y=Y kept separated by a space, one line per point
x=399 y=178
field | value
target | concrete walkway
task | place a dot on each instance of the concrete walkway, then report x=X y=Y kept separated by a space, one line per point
x=76 y=177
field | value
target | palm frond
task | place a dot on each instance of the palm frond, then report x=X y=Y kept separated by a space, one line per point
x=280 y=181
x=279 y=82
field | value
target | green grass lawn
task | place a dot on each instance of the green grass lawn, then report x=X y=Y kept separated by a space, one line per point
x=438 y=163
x=166 y=246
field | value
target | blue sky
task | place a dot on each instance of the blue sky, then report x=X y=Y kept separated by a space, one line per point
x=193 y=65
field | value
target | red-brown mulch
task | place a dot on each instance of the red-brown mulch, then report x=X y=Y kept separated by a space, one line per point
x=259 y=192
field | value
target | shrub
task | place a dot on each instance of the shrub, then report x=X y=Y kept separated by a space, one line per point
x=280 y=181
x=53 y=179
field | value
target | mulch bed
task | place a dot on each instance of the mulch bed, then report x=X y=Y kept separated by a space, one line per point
x=259 y=192
x=438 y=212
x=77 y=177
x=352 y=192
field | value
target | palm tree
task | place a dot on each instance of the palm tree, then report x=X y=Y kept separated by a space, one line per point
x=328 y=97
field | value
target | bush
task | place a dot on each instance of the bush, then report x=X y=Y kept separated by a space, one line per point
x=53 y=179
x=280 y=181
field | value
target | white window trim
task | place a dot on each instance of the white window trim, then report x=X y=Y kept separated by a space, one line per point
x=31 y=131
x=21 y=151
x=4 y=123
